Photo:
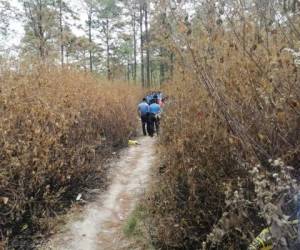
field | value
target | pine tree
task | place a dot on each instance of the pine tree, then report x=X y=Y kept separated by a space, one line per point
x=5 y=9
x=40 y=27
x=108 y=21
x=64 y=12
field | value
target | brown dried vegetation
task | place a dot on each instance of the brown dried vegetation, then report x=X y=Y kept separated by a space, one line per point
x=57 y=130
x=232 y=106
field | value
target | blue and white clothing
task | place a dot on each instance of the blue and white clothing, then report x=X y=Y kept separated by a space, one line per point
x=149 y=98
x=154 y=108
x=143 y=108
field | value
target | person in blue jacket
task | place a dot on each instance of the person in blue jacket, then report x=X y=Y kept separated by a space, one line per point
x=154 y=117
x=143 y=110
x=149 y=97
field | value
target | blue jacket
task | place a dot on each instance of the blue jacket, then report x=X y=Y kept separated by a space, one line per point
x=143 y=108
x=155 y=108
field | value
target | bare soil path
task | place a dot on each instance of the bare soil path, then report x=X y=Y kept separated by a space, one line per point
x=99 y=225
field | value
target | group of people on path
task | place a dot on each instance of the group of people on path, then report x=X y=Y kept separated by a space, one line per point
x=149 y=111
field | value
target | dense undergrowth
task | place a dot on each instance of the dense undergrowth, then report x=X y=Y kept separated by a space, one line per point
x=57 y=129
x=230 y=146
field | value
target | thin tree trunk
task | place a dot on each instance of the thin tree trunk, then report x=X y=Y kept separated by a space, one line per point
x=128 y=70
x=163 y=52
x=134 y=46
x=84 y=61
x=107 y=51
x=161 y=67
x=152 y=75
x=90 y=38
x=147 y=45
x=41 y=33
x=61 y=33
x=142 y=45
x=132 y=72
x=67 y=56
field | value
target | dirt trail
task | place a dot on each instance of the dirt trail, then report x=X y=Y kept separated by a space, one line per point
x=99 y=225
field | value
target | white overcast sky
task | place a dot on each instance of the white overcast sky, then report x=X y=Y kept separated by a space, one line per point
x=17 y=28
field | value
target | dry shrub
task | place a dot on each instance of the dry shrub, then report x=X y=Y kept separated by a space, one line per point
x=57 y=130
x=228 y=112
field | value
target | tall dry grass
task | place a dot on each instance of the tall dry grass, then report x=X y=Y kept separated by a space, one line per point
x=233 y=112
x=57 y=130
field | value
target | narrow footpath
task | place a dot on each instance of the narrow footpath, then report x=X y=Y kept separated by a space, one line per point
x=99 y=225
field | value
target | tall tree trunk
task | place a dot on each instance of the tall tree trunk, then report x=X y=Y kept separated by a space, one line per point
x=61 y=33
x=107 y=51
x=152 y=75
x=128 y=70
x=134 y=45
x=41 y=32
x=163 y=52
x=90 y=38
x=67 y=56
x=147 y=45
x=142 y=44
x=84 y=60
x=161 y=66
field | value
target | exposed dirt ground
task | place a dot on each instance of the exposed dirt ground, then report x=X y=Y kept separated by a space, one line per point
x=99 y=225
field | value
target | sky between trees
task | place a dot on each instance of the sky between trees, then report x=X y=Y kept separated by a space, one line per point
x=124 y=39
x=103 y=36
x=16 y=26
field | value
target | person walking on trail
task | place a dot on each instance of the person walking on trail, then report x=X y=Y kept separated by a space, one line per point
x=143 y=109
x=149 y=98
x=154 y=117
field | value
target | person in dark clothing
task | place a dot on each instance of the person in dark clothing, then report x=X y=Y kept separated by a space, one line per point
x=154 y=118
x=143 y=109
x=154 y=99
